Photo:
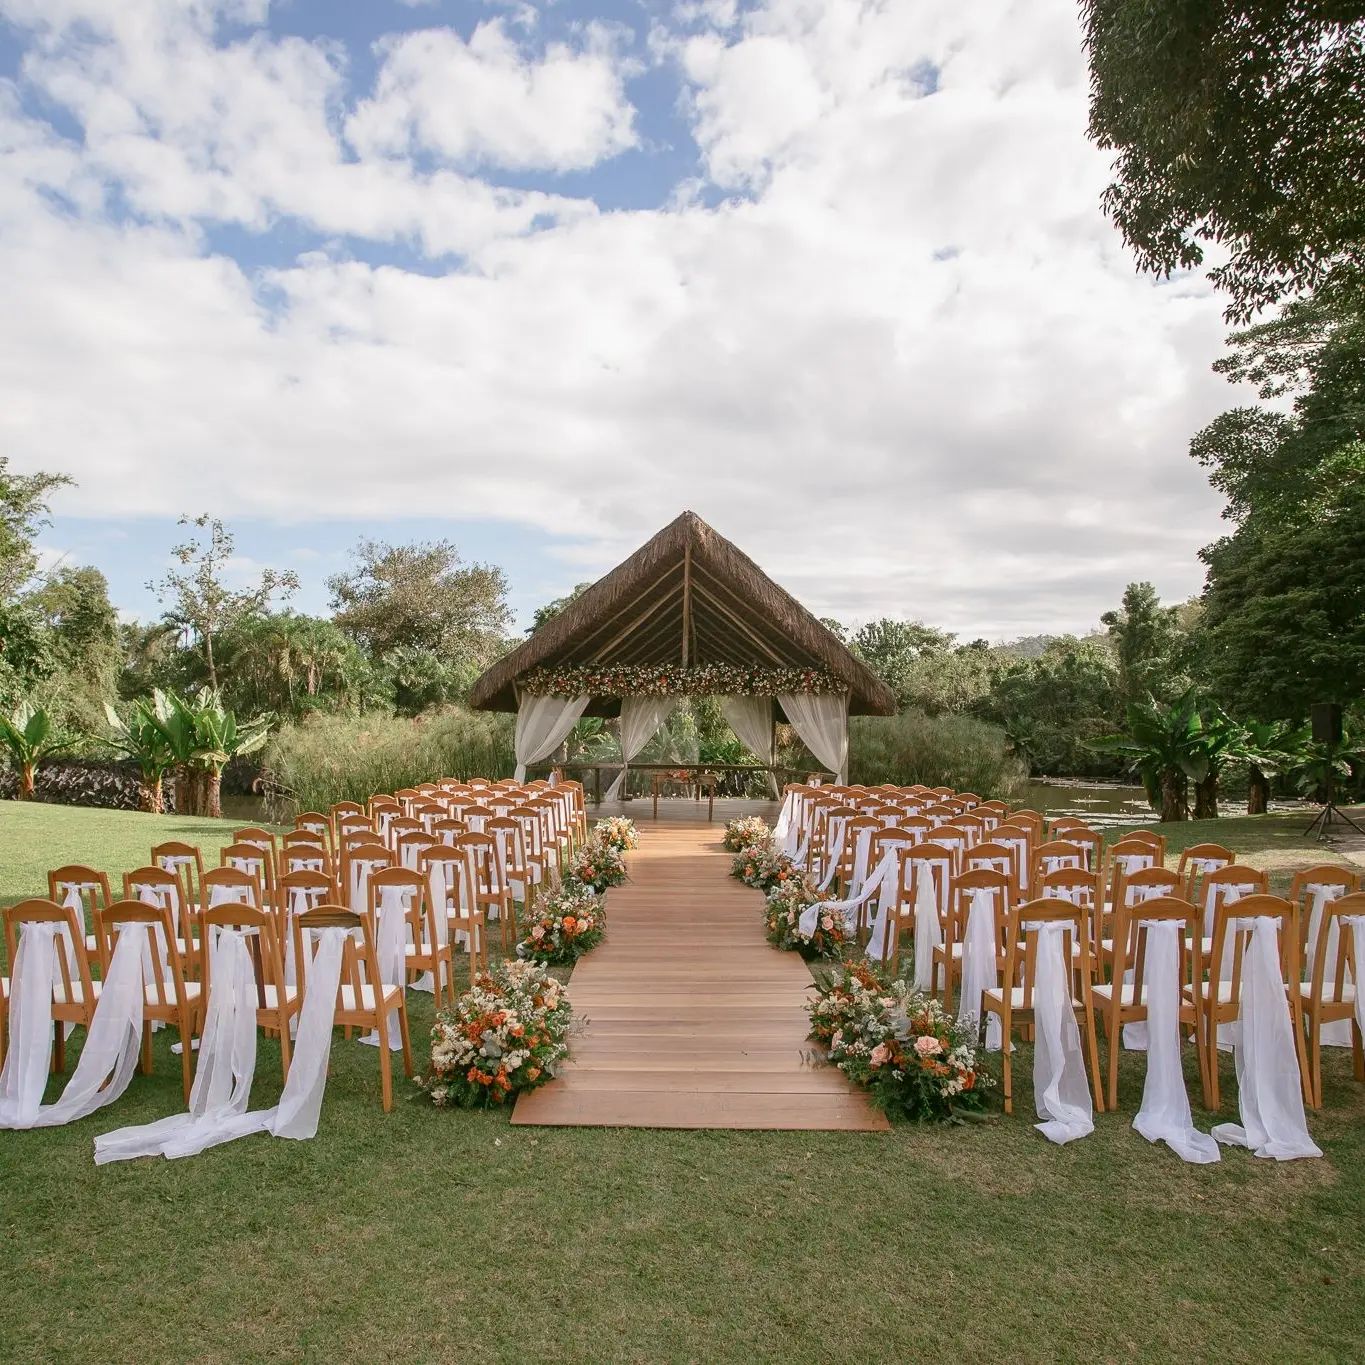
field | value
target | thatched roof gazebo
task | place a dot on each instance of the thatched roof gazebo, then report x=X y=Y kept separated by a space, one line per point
x=687 y=614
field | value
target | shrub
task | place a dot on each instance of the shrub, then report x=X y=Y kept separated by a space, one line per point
x=320 y=760
x=936 y=751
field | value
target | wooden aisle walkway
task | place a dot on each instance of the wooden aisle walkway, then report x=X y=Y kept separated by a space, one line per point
x=692 y=1019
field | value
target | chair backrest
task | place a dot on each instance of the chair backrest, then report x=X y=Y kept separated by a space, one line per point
x=303 y=857
x=261 y=932
x=187 y=862
x=1236 y=876
x=1156 y=842
x=230 y=885
x=1340 y=878
x=1329 y=979
x=73 y=964
x=313 y=886
x=1130 y=937
x=1148 y=882
x=963 y=892
x=1230 y=939
x=1074 y=884
x=254 y=834
x=1198 y=861
x=250 y=858
x=1026 y=816
x=315 y=822
x=998 y=857
x=1055 y=854
x=931 y=860
x=401 y=825
x=154 y=922
x=414 y=888
x=89 y=883
x=157 y=886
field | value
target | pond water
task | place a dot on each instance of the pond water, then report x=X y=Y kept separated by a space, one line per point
x=1098 y=803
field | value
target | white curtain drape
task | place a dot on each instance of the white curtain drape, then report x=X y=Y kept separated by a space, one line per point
x=821 y=719
x=641 y=718
x=751 y=718
x=542 y=725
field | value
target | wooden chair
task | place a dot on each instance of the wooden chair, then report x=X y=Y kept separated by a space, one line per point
x=1201 y=858
x=277 y=1002
x=410 y=845
x=462 y=910
x=186 y=861
x=90 y=887
x=948 y=955
x=1156 y=842
x=262 y=838
x=1236 y=877
x=416 y=914
x=229 y=886
x=1329 y=994
x=1122 y=858
x=1014 y=1002
x=74 y=992
x=1217 y=999
x=258 y=862
x=490 y=889
x=1123 y=1002
x=515 y=867
x=168 y=998
x=315 y=822
x=920 y=860
x=1340 y=879
x=1053 y=856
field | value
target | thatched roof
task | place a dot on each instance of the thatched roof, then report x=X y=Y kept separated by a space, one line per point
x=687 y=596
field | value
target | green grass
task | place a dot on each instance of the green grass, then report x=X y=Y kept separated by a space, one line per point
x=433 y=1235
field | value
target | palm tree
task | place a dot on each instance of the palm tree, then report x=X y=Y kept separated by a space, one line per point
x=1271 y=748
x=1217 y=741
x=203 y=736
x=142 y=737
x=28 y=735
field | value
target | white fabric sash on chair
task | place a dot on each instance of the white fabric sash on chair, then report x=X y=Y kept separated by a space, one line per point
x=1061 y=1092
x=787 y=831
x=882 y=879
x=980 y=971
x=112 y=1043
x=1356 y=924
x=928 y=930
x=1165 y=1113
x=391 y=940
x=1337 y=1033
x=1269 y=1094
x=227 y=1061
x=835 y=851
x=437 y=891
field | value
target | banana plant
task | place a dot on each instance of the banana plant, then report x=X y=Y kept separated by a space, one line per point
x=1164 y=746
x=29 y=737
x=202 y=736
x=142 y=736
x=1271 y=748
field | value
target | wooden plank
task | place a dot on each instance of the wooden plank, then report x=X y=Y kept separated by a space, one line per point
x=689 y=1019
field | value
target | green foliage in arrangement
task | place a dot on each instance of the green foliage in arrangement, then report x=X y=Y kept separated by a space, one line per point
x=959 y=751
x=312 y=763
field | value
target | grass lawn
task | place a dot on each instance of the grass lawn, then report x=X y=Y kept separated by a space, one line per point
x=433 y=1235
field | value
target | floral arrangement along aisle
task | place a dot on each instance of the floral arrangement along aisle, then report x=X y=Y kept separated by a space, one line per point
x=829 y=937
x=505 y=1035
x=763 y=867
x=597 y=865
x=914 y=1058
x=566 y=924
x=616 y=832
x=749 y=831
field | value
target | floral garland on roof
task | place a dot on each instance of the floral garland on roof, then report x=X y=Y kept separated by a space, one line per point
x=672 y=680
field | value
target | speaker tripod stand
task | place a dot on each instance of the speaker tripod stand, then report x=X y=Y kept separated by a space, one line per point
x=1331 y=811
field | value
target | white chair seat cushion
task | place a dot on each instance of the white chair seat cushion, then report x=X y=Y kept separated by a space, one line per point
x=1016 y=998
x=272 y=996
x=59 y=994
x=1105 y=992
x=1348 y=992
x=367 y=996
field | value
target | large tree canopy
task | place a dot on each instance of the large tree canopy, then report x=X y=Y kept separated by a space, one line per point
x=423 y=596
x=1240 y=123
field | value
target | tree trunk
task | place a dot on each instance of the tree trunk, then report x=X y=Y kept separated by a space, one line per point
x=1258 y=792
x=213 y=793
x=208 y=660
x=184 y=791
x=28 y=781
x=1172 y=796
x=1206 y=798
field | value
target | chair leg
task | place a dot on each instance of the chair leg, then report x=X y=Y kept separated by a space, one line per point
x=1305 y=1078
x=1093 y=1044
x=59 y=1046
x=403 y=1036
x=186 y=1064
x=1315 y=1061
x=145 y=1059
x=1007 y=1070
x=1357 y=1051
x=284 y=1044
x=385 y=1064
x=1211 y=1054
x=1113 y=1032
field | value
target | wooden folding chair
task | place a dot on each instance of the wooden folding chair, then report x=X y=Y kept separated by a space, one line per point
x=187 y=862
x=948 y=955
x=1329 y=994
x=1201 y=859
x=158 y=886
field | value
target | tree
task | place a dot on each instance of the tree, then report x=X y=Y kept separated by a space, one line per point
x=892 y=648
x=200 y=599
x=420 y=679
x=202 y=736
x=1148 y=645
x=23 y=513
x=422 y=595
x=1161 y=746
x=552 y=609
x=1239 y=123
x=84 y=636
x=29 y=736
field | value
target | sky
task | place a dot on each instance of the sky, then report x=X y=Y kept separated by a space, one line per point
x=538 y=276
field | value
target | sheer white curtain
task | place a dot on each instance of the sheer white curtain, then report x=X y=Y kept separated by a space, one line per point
x=542 y=725
x=641 y=718
x=821 y=719
x=751 y=718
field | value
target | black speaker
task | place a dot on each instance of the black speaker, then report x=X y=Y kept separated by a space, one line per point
x=1326 y=717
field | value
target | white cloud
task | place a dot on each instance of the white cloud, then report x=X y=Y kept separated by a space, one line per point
x=911 y=370
x=484 y=102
